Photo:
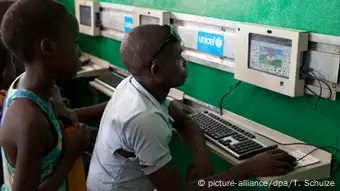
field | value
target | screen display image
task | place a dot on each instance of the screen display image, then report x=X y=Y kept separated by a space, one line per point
x=270 y=55
x=85 y=15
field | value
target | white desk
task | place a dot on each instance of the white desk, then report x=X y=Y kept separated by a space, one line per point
x=95 y=67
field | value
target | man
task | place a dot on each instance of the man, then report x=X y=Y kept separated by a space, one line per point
x=132 y=151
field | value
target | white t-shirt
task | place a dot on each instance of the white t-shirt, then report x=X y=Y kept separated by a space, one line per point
x=135 y=122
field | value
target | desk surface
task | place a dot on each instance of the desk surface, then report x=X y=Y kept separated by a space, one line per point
x=316 y=171
x=95 y=67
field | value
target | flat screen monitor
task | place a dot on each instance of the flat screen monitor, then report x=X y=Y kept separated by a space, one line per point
x=271 y=55
x=85 y=15
x=147 y=20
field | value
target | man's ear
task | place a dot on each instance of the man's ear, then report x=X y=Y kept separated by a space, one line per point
x=47 y=47
x=156 y=72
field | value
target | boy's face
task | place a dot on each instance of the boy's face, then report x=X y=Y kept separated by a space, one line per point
x=66 y=58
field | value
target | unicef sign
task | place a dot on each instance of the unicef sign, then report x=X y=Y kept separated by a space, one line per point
x=210 y=43
x=128 y=23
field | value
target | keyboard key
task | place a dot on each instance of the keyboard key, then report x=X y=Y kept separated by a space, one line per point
x=111 y=79
x=218 y=129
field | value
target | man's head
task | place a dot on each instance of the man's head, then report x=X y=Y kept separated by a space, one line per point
x=153 y=53
x=44 y=34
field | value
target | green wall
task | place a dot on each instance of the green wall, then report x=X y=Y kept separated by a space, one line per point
x=292 y=116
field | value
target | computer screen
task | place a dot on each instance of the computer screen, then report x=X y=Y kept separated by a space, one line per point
x=85 y=15
x=146 y=20
x=269 y=54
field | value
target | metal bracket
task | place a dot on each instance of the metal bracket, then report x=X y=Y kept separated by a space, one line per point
x=323 y=54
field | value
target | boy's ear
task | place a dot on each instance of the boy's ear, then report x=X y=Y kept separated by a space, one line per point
x=47 y=47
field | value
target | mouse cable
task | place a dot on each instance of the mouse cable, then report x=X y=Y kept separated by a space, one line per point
x=310 y=152
x=230 y=90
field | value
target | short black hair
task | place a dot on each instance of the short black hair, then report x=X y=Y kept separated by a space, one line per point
x=29 y=21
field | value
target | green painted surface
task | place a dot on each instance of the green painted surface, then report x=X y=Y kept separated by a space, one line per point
x=313 y=15
x=292 y=116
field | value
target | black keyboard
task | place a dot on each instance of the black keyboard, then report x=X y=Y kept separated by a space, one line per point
x=111 y=79
x=231 y=137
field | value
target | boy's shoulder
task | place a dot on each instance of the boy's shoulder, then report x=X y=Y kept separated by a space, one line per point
x=23 y=112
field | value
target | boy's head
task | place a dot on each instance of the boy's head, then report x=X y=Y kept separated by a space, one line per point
x=154 y=53
x=42 y=34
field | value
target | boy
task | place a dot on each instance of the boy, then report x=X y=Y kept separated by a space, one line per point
x=7 y=75
x=43 y=36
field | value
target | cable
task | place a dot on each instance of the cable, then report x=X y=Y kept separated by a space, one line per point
x=316 y=148
x=315 y=77
x=309 y=103
x=324 y=82
x=319 y=97
x=230 y=90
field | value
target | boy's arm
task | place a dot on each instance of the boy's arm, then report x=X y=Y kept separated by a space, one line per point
x=31 y=148
x=30 y=141
x=54 y=180
x=90 y=112
x=74 y=143
x=79 y=114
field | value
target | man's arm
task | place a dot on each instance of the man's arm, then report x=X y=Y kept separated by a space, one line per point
x=188 y=129
x=193 y=136
x=148 y=136
x=149 y=139
x=90 y=112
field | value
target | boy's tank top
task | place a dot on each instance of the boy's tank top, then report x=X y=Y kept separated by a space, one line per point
x=50 y=161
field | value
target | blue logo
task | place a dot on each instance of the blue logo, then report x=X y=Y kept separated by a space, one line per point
x=210 y=43
x=128 y=23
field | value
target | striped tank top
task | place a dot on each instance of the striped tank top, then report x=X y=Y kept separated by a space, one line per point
x=50 y=161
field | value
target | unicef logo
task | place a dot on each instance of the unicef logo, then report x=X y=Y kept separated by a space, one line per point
x=211 y=40
x=218 y=42
x=210 y=43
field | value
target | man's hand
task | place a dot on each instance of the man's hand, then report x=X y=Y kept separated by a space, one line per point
x=200 y=167
x=270 y=163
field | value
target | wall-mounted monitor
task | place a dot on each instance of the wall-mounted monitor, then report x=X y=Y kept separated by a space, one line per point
x=271 y=58
x=87 y=13
x=150 y=16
